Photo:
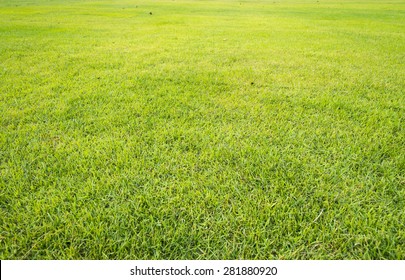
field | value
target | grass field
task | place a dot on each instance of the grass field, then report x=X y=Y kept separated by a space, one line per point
x=202 y=129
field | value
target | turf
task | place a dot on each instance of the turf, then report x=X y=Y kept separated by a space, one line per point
x=202 y=129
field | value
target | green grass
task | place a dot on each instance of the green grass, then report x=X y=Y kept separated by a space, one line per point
x=207 y=130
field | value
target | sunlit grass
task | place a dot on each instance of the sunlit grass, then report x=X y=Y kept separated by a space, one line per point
x=205 y=130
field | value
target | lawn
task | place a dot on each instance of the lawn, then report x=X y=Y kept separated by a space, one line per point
x=202 y=129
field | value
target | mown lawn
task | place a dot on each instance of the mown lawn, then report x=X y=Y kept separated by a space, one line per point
x=202 y=129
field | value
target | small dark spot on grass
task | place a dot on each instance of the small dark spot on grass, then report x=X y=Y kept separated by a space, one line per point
x=150 y=13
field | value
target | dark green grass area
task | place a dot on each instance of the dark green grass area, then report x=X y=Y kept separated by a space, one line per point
x=207 y=130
